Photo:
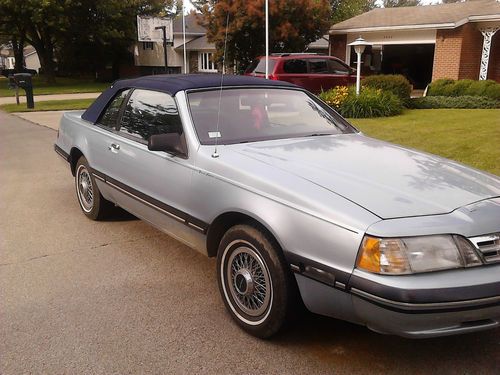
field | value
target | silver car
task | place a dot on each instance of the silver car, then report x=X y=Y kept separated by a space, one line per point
x=298 y=206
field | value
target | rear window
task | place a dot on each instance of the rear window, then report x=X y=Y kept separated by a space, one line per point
x=258 y=66
x=295 y=66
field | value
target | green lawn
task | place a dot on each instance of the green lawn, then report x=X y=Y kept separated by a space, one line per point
x=63 y=86
x=470 y=136
x=49 y=105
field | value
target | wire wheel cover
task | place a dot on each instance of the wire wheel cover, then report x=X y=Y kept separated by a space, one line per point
x=85 y=189
x=248 y=280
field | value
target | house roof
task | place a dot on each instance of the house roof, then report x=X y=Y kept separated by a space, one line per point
x=173 y=83
x=429 y=16
x=321 y=43
x=198 y=44
x=192 y=25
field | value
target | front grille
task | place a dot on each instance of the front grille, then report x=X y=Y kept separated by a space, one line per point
x=489 y=246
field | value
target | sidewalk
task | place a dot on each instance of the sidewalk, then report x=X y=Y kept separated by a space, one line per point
x=40 y=98
x=49 y=119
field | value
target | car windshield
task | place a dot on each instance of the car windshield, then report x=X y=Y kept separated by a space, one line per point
x=257 y=114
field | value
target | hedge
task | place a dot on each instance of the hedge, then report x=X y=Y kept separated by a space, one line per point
x=464 y=87
x=458 y=102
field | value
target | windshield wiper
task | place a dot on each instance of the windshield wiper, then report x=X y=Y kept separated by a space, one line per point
x=318 y=134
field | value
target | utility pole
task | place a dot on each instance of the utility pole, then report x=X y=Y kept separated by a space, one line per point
x=164 y=30
x=267 y=38
x=184 y=37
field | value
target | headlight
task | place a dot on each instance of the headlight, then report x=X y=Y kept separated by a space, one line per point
x=397 y=256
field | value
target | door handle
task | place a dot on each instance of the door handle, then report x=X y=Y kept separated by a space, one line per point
x=114 y=147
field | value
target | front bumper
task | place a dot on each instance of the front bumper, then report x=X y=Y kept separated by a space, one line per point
x=415 y=306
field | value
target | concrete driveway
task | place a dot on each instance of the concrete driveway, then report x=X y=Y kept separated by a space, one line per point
x=119 y=297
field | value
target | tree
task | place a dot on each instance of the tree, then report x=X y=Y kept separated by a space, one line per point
x=103 y=29
x=102 y=32
x=293 y=24
x=13 y=32
x=345 y=9
x=401 y=3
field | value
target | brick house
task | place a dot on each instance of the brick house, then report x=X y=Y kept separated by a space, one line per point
x=425 y=43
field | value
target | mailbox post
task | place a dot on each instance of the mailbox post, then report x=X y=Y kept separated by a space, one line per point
x=23 y=80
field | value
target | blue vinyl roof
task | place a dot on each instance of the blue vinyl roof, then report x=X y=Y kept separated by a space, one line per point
x=173 y=83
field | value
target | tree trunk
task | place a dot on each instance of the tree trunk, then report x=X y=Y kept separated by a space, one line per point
x=45 y=50
x=48 y=66
x=18 y=47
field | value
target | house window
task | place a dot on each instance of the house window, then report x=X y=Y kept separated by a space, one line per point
x=206 y=63
x=147 y=45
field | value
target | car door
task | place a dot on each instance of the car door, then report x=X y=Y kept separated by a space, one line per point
x=153 y=185
x=341 y=73
x=327 y=74
x=295 y=71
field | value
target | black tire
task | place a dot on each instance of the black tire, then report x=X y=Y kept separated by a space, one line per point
x=261 y=304
x=90 y=199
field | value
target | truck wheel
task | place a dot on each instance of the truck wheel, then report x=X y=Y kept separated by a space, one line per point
x=92 y=203
x=254 y=280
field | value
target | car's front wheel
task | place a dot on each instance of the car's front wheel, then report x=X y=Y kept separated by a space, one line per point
x=92 y=203
x=254 y=280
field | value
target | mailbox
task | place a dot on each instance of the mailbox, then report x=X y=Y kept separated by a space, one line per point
x=23 y=80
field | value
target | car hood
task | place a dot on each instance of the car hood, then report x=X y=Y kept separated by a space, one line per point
x=385 y=179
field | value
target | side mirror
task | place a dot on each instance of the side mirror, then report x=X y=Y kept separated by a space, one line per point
x=173 y=143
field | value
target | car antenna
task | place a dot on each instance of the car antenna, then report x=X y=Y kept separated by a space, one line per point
x=216 y=154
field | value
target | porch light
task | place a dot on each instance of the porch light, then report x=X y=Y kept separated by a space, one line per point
x=359 y=47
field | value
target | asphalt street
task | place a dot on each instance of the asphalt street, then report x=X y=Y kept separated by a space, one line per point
x=120 y=297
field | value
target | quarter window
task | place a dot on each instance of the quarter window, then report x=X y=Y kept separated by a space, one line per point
x=110 y=117
x=148 y=113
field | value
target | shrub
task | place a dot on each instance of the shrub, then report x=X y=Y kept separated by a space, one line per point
x=397 y=84
x=458 y=102
x=479 y=88
x=464 y=87
x=335 y=97
x=493 y=91
x=370 y=102
x=441 y=87
x=458 y=88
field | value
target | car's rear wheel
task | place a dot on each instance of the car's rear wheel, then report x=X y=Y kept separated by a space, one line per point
x=92 y=203
x=254 y=280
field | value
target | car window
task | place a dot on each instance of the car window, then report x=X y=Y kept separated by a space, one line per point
x=318 y=66
x=335 y=67
x=259 y=66
x=110 y=116
x=150 y=112
x=295 y=66
x=256 y=114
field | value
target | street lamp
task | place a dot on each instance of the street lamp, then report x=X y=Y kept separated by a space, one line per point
x=359 y=47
